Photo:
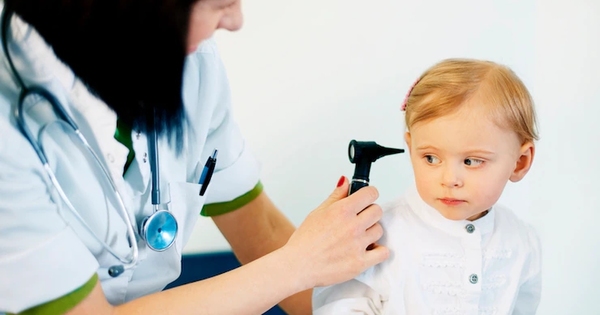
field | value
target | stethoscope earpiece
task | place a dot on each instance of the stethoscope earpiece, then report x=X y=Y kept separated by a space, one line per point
x=115 y=271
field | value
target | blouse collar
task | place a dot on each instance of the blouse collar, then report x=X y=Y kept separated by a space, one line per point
x=429 y=214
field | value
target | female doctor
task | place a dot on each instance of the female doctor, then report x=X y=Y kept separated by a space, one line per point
x=116 y=132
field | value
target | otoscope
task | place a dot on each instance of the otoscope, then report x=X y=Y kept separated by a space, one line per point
x=363 y=153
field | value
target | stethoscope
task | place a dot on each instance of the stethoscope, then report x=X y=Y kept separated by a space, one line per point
x=158 y=230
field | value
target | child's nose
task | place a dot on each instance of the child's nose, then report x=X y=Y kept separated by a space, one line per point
x=451 y=177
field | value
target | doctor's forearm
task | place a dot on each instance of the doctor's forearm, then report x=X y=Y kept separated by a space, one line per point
x=251 y=289
x=257 y=229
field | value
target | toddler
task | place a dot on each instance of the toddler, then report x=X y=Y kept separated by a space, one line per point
x=470 y=130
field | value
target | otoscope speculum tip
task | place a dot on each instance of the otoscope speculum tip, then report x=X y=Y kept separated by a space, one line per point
x=363 y=153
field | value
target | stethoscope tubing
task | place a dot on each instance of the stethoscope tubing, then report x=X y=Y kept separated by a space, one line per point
x=159 y=230
x=25 y=92
x=38 y=148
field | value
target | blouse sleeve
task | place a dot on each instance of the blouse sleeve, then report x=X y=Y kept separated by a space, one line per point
x=529 y=295
x=350 y=297
x=208 y=102
x=365 y=294
x=41 y=257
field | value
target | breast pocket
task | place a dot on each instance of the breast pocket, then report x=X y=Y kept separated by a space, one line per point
x=186 y=204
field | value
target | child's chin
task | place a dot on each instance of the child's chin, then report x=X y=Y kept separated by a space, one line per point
x=454 y=215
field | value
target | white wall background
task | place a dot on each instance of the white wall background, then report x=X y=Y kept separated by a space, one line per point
x=309 y=76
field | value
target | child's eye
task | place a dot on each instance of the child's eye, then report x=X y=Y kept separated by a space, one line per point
x=432 y=159
x=473 y=162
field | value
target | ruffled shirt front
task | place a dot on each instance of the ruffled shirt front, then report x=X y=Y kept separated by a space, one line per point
x=440 y=266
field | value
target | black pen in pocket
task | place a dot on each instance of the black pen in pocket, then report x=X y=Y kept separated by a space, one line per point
x=207 y=172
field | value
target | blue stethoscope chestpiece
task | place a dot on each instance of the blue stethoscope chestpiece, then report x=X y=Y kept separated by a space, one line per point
x=159 y=230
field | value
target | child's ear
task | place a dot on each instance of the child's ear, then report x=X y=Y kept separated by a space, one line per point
x=523 y=164
x=407 y=140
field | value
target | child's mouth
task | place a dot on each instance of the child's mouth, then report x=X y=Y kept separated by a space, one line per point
x=451 y=201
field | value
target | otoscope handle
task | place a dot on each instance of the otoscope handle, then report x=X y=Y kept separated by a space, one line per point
x=357 y=184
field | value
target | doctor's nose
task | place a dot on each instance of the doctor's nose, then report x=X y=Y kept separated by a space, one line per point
x=233 y=19
x=451 y=177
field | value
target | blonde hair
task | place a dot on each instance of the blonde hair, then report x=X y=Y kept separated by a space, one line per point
x=448 y=85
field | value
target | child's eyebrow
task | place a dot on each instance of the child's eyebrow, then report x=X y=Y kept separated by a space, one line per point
x=466 y=152
x=426 y=148
x=480 y=152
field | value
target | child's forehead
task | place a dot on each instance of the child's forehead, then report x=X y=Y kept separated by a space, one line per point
x=470 y=126
x=478 y=108
x=469 y=114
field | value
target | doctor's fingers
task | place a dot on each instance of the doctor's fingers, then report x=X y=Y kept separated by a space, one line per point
x=361 y=199
x=372 y=235
x=369 y=216
x=375 y=255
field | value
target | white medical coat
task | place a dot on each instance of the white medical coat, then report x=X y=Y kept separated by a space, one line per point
x=44 y=251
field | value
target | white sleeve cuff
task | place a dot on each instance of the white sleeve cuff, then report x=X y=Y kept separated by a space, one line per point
x=235 y=180
x=350 y=297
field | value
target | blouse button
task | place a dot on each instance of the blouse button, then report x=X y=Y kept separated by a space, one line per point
x=110 y=158
x=470 y=228
x=473 y=278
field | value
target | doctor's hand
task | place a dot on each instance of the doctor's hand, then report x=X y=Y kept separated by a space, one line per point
x=330 y=246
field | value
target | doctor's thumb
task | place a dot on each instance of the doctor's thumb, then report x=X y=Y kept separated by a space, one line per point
x=340 y=192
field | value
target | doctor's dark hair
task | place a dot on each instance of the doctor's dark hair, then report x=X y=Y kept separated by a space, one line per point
x=130 y=53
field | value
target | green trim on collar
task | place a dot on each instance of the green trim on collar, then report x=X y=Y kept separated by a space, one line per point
x=218 y=208
x=65 y=303
x=123 y=135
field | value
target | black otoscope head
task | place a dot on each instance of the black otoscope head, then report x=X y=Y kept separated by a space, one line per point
x=363 y=153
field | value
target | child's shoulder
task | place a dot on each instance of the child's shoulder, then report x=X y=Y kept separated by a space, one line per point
x=399 y=215
x=396 y=209
x=505 y=217
x=396 y=206
x=507 y=223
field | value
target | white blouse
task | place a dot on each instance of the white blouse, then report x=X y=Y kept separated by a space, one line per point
x=45 y=252
x=440 y=266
